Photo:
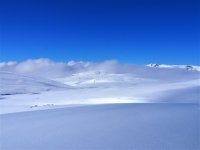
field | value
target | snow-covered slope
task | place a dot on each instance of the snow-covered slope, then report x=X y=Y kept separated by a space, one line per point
x=103 y=127
x=102 y=79
x=49 y=105
x=35 y=84
x=12 y=83
x=143 y=85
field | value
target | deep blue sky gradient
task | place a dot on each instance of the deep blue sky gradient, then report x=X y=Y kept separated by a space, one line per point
x=131 y=31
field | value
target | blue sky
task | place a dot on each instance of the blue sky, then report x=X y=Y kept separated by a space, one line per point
x=130 y=31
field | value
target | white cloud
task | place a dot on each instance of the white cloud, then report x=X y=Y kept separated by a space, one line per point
x=52 y=69
x=46 y=67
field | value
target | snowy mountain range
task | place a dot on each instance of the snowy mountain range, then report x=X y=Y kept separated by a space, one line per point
x=106 y=82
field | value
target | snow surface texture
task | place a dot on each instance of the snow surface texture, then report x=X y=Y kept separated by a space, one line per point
x=104 y=127
x=81 y=105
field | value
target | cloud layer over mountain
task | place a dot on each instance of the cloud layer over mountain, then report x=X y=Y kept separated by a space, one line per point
x=51 y=69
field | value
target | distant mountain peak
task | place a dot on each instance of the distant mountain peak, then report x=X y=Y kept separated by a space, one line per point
x=187 y=67
x=153 y=65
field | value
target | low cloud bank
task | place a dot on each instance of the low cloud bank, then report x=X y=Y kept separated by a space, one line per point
x=51 y=69
x=48 y=68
